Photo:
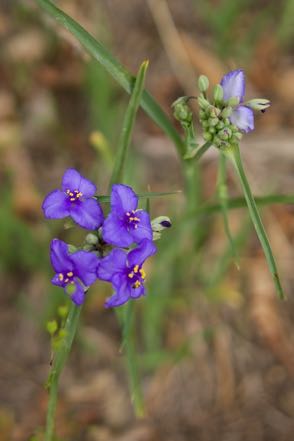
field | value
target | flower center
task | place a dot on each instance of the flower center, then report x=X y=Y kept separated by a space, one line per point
x=66 y=278
x=131 y=219
x=74 y=195
x=137 y=276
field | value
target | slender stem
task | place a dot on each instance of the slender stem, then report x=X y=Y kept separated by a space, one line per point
x=128 y=125
x=234 y=154
x=222 y=190
x=61 y=355
x=202 y=150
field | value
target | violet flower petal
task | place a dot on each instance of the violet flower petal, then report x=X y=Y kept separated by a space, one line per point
x=78 y=297
x=243 y=118
x=143 y=228
x=112 y=264
x=86 y=264
x=137 y=292
x=115 y=233
x=88 y=214
x=138 y=256
x=233 y=84
x=123 y=199
x=59 y=256
x=55 y=205
x=122 y=292
x=73 y=180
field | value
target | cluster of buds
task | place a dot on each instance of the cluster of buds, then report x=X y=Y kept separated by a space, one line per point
x=226 y=116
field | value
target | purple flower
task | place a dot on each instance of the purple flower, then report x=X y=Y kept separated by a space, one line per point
x=74 y=272
x=75 y=200
x=124 y=270
x=233 y=84
x=126 y=223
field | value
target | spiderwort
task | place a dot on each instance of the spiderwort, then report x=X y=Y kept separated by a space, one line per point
x=74 y=272
x=75 y=200
x=124 y=270
x=126 y=224
x=233 y=84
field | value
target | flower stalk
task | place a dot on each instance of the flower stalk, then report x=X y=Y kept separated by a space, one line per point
x=233 y=153
x=60 y=358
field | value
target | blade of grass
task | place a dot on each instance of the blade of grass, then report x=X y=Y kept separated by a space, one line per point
x=222 y=191
x=115 y=69
x=128 y=125
x=147 y=195
x=234 y=154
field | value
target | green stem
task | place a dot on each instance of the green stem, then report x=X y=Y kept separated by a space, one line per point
x=60 y=358
x=222 y=190
x=128 y=125
x=234 y=154
x=202 y=150
x=115 y=69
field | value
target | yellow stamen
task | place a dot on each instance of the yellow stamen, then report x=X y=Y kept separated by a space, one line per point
x=136 y=268
x=131 y=275
x=143 y=274
x=60 y=277
x=69 y=274
x=137 y=284
x=72 y=199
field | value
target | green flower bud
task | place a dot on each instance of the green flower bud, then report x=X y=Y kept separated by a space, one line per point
x=91 y=239
x=233 y=101
x=258 y=104
x=203 y=103
x=212 y=130
x=52 y=327
x=225 y=134
x=182 y=112
x=213 y=121
x=207 y=136
x=220 y=125
x=202 y=115
x=238 y=136
x=227 y=112
x=218 y=93
x=72 y=248
x=214 y=112
x=203 y=83
x=62 y=311
x=160 y=223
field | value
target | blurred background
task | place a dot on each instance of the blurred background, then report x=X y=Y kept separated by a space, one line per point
x=216 y=346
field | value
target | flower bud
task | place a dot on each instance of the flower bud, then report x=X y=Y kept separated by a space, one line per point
x=203 y=103
x=214 y=112
x=213 y=121
x=233 y=101
x=227 y=112
x=52 y=327
x=225 y=134
x=182 y=112
x=91 y=239
x=207 y=136
x=203 y=83
x=218 y=93
x=160 y=223
x=258 y=104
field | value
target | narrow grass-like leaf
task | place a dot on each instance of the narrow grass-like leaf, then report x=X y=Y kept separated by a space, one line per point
x=60 y=358
x=222 y=191
x=115 y=69
x=151 y=195
x=234 y=154
x=128 y=125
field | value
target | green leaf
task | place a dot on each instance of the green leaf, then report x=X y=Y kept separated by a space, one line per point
x=150 y=195
x=234 y=154
x=128 y=125
x=115 y=69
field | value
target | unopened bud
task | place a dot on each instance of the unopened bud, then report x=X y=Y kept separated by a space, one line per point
x=91 y=239
x=207 y=136
x=225 y=134
x=160 y=223
x=258 y=104
x=227 y=112
x=218 y=93
x=213 y=121
x=203 y=103
x=233 y=101
x=203 y=83
x=182 y=112
x=52 y=327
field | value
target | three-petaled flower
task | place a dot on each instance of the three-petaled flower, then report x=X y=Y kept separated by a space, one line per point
x=126 y=224
x=75 y=272
x=233 y=84
x=75 y=200
x=124 y=270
